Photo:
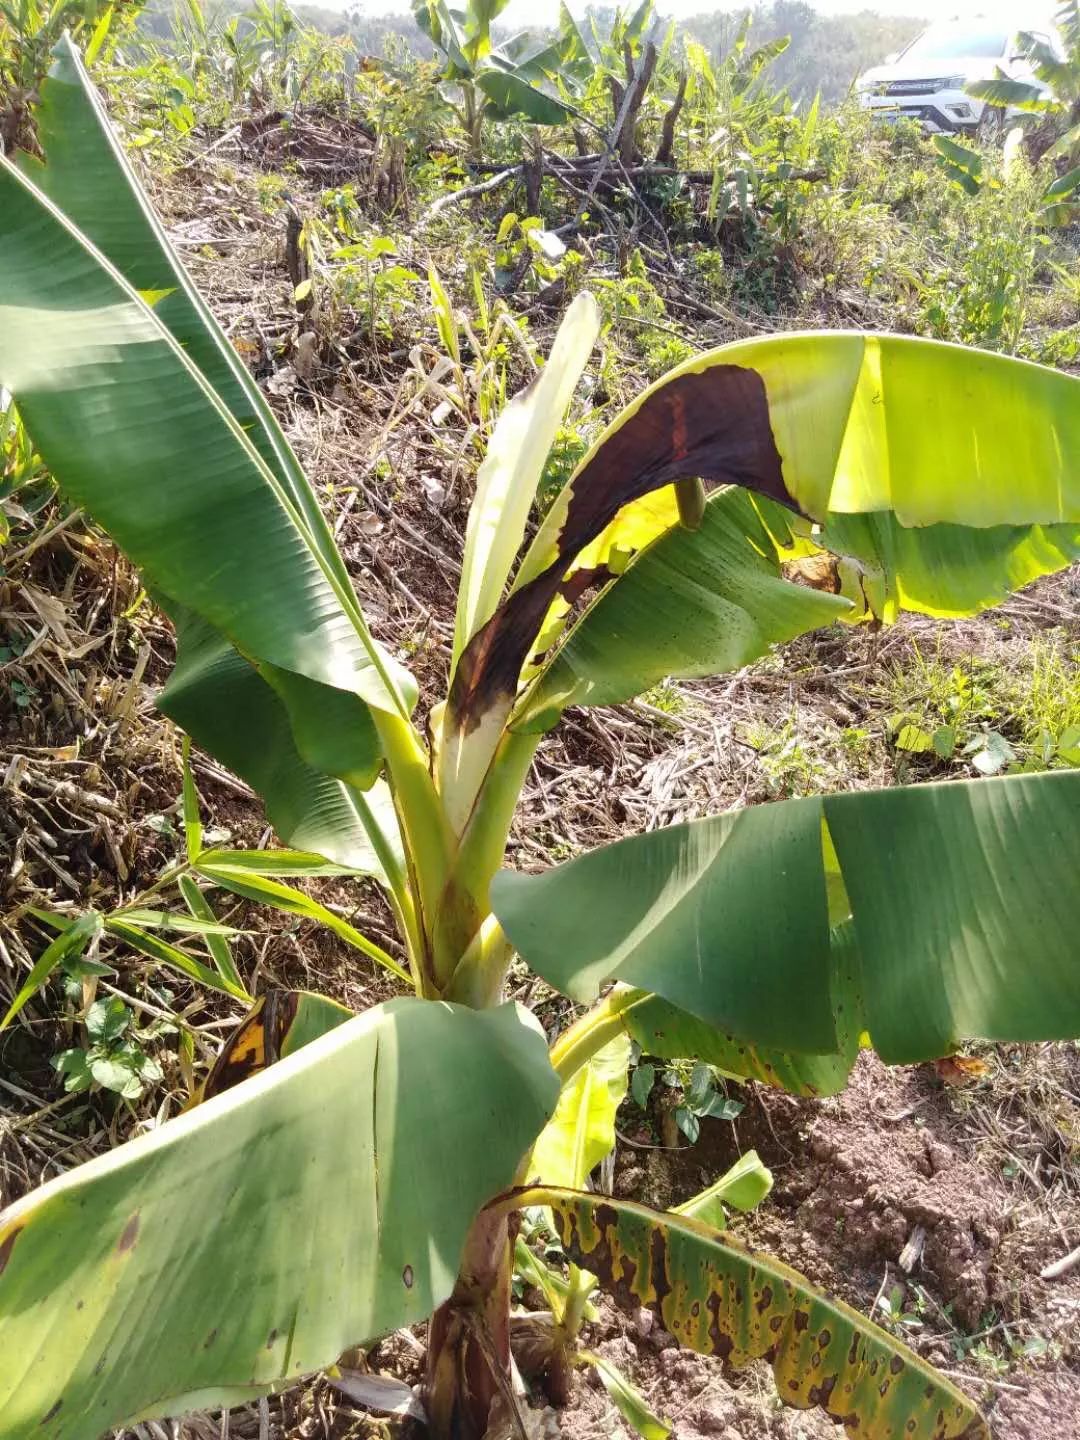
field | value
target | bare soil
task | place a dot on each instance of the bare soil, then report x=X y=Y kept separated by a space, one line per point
x=900 y=1155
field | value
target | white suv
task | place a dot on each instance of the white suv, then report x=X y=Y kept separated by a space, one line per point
x=926 y=82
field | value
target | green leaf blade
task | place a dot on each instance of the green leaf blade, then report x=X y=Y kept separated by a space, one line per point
x=627 y=1399
x=511 y=94
x=193 y=830
x=216 y=943
x=242 y=880
x=581 y=1133
x=649 y=911
x=71 y=941
x=309 y=1172
x=964 y=914
x=144 y=943
x=231 y=710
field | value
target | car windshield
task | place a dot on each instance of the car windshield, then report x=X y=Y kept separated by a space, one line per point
x=958 y=42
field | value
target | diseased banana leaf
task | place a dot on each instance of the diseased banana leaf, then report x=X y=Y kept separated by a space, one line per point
x=280 y=1023
x=720 y=1298
x=895 y=446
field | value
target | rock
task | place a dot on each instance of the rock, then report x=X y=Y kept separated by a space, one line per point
x=684 y=1369
x=306 y=355
x=822 y=1147
x=940 y=1156
x=628 y=1182
x=621 y=1351
x=712 y=1418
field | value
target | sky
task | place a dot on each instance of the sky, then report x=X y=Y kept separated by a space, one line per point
x=540 y=12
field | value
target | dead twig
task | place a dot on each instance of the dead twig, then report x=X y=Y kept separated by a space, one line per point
x=1062 y=1266
x=469 y=192
x=667 y=135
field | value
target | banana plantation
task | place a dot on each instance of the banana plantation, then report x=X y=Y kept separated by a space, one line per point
x=539 y=728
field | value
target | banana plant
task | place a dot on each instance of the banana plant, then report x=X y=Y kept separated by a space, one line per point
x=1055 y=89
x=346 y=1175
x=965 y=166
x=494 y=82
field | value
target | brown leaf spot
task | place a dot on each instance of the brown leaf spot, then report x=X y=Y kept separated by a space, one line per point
x=896 y=1364
x=131 y=1231
x=576 y=584
x=407 y=1277
x=815 y=572
x=210 y=1338
x=722 y=1343
x=764 y=1300
x=606 y=1216
x=658 y=1275
x=256 y=1043
x=243 y=1054
x=821 y=1394
x=270 y=1339
x=824 y=1338
x=802 y=1320
x=960 y=1069
x=776 y=1323
x=52 y=1414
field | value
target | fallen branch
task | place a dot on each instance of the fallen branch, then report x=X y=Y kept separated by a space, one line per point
x=1062 y=1266
x=576 y=165
x=469 y=192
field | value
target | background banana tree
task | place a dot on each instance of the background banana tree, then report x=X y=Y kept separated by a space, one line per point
x=1055 y=89
x=347 y=1175
x=495 y=82
x=965 y=166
